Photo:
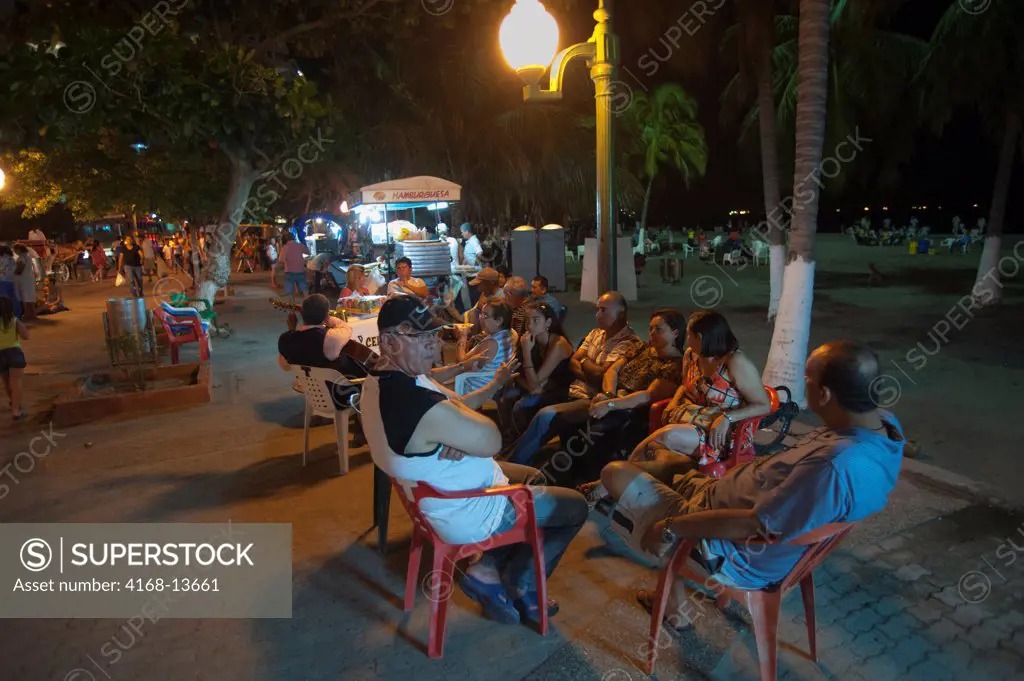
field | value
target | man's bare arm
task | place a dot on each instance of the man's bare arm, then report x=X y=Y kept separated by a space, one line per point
x=450 y=425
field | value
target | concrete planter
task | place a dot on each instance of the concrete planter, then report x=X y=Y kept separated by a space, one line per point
x=108 y=394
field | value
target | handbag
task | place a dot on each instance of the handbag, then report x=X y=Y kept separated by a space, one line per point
x=692 y=414
x=119 y=281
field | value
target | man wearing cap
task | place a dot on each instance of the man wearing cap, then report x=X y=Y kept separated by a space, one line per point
x=421 y=432
x=488 y=288
x=471 y=248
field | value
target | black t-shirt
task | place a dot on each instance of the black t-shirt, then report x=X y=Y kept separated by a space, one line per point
x=403 y=403
x=132 y=256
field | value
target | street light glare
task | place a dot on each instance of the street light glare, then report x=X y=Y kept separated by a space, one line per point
x=3 y=179
x=529 y=36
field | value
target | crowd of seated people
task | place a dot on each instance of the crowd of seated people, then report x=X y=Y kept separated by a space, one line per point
x=420 y=431
x=493 y=346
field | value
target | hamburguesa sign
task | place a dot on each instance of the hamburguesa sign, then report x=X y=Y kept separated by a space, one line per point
x=406 y=196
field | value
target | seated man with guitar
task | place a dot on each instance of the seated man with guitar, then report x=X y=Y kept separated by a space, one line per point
x=323 y=340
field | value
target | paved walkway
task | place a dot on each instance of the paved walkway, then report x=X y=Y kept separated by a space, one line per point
x=929 y=589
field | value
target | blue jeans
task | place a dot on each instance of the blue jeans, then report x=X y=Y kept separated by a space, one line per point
x=560 y=513
x=545 y=424
x=134 y=276
x=295 y=281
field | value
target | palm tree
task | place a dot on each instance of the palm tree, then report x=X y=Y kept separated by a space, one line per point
x=756 y=32
x=867 y=64
x=665 y=130
x=793 y=324
x=976 y=62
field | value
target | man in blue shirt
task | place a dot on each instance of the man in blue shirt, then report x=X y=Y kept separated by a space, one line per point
x=843 y=472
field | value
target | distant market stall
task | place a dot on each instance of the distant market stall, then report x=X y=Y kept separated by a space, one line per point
x=434 y=195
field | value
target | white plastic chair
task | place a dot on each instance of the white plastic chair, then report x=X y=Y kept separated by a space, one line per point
x=731 y=258
x=687 y=250
x=760 y=250
x=461 y=387
x=579 y=252
x=569 y=255
x=319 y=402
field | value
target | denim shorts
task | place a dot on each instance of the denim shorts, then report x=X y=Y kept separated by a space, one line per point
x=11 y=358
x=295 y=279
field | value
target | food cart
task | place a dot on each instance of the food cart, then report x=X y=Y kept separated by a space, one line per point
x=377 y=206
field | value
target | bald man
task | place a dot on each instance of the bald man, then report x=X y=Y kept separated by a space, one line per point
x=840 y=473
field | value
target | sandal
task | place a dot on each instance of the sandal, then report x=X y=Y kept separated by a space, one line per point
x=646 y=601
x=529 y=609
x=492 y=597
x=593 y=492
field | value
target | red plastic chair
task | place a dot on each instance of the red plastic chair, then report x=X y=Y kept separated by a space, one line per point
x=442 y=582
x=764 y=605
x=740 y=447
x=182 y=330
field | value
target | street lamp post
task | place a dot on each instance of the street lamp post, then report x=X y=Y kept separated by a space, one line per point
x=529 y=38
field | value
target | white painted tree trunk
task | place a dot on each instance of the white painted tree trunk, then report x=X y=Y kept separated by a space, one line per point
x=222 y=240
x=785 y=365
x=988 y=290
x=777 y=264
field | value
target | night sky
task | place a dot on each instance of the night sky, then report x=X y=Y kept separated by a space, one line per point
x=955 y=171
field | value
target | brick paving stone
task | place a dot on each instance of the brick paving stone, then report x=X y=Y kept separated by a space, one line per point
x=945 y=630
x=950 y=596
x=857 y=600
x=911 y=649
x=896 y=628
x=832 y=637
x=882 y=668
x=927 y=612
x=1011 y=621
x=969 y=615
x=890 y=605
x=900 y=558
x=892 y=543
x=955 y=655
x=911 y=572
x=1015 y=643
x=983 y=636
x=995 y=665
x=929 y=670
x=864 y=619
x=868 y=644
x=844 y=584
x=867 y=552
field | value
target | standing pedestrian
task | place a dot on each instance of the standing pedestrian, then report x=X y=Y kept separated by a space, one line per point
x=12 y=359
x=25 y=281
x=129 y=264
x=148 y=258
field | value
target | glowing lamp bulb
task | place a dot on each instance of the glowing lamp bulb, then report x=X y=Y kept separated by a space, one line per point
x=529 y=36
x=3 y=179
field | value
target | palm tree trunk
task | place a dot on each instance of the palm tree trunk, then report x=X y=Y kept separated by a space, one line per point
x=987 y=287
x=647 y=203
x=788 y=352
x=221 y=241
x=770 y=173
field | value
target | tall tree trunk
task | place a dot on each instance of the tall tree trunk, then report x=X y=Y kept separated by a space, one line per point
x=220 y=243
x=987 y=288
x=770 y=173
x=788 y=352
x=647 y=203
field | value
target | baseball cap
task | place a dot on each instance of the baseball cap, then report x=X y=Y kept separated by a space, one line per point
x=486 y=274
x=408 y=314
